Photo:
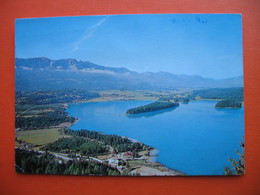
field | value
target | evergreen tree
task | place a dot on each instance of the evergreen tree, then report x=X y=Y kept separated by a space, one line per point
x=238 y=166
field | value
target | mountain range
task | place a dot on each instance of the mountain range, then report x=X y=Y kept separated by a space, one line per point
x=46 y=74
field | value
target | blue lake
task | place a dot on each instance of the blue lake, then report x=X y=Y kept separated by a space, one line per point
x=194 y=138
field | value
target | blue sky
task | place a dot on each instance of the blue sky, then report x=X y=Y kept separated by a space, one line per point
x=209 y=45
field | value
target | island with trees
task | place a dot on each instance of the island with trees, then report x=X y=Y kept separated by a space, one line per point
x=235 y=93
x=155 y=106
x=228 y=104
x=44 y=144
x=226 y=97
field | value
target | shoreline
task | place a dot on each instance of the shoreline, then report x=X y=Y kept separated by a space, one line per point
x=155 y=168
x=151 y=167
x=148 y=165
x=153 y=155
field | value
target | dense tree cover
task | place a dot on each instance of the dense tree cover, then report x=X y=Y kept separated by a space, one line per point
x=238 y=166
x=31 y=109
x=22 y=107
x=228 y=104
x=44 y=163
x=235 y=94
x=77 y=145
x=119 y=144
x=52 y=97
x=46 y=120
x=182 y=99
x=155 y=106
x=42 y=109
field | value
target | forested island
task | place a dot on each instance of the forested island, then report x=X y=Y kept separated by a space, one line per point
x=228 y=104
x=46 y=145
x=227 y=97
x=155 y=106
x=235 y=93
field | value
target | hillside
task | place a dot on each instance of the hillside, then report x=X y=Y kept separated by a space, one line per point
x=46 y=74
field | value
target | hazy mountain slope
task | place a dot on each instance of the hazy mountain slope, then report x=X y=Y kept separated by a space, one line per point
x=46 y=74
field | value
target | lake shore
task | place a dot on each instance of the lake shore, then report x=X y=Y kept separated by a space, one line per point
x=146 y=164
x=155 y=168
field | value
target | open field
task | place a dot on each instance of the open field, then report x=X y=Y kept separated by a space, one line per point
x=125 y=95
x=41 y=136
x=40 y=125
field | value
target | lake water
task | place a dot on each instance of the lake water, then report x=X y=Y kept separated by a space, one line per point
x=194 y=138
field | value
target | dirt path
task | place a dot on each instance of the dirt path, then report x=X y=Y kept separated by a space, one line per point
x=25 y=111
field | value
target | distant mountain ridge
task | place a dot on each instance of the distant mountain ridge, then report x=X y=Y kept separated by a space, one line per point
x=46 y=74
x=43 y=63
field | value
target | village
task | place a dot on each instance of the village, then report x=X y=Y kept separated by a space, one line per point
x=127 y=163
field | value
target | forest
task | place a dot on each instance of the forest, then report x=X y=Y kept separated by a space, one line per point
x=77 y=145
x=155 y=106
x=229 y=97
x=53 y=97
x=118 y=143
x=235 y=94
x=53 y=117
x=79 y=150
x=228 y=104
x=44 y=163
x=45 y=109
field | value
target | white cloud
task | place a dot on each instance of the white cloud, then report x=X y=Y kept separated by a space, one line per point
x=93 y=70
x=88 y=33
